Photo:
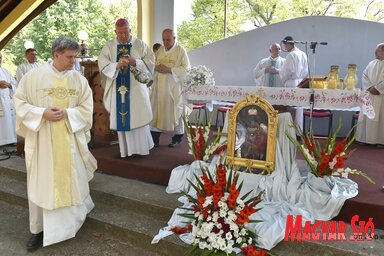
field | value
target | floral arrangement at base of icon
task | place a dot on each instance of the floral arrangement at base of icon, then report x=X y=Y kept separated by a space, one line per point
x=199 y=142
x=218 y=216
x=329 y=159
x=199 y=76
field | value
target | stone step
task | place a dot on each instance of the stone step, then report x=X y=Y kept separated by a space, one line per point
x=134 y=211
x=129 y=217
x=90 y=240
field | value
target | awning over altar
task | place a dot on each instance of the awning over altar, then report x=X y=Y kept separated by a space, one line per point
x=324 y=99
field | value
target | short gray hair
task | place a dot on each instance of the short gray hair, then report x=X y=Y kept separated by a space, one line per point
x=65 y=43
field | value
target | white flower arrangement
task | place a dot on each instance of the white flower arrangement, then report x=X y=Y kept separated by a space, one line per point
x=199 y=76
x=219 y=228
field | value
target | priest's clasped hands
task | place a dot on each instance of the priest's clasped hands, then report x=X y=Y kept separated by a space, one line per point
x=163 y=69
x=5 y=85
x=54 y=114
x=124 y=61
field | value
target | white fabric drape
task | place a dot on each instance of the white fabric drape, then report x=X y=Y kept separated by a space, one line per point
x=287 y=192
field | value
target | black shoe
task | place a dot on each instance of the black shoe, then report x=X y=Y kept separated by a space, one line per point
x=156 y=138
x=35 y=241
x=176 y=140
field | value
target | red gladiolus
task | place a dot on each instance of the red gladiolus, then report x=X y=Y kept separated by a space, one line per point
x=182 y=230
x=242 y=218
x=217 y=193
x=248 y=210
x=220 y=149
x=207 y=184
x=233 y=194
x=201 y=201
x=310 y=143
x=252 y=250
x=340 y=162
x=339 y=148
x=221 y=176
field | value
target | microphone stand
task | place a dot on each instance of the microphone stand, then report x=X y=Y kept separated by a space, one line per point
x=312 y=91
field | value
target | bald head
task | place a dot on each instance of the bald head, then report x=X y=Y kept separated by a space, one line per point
x=168 y=38
x=274 y=49
x=379 y=52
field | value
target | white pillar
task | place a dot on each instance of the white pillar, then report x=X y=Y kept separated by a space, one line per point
x=163 y=18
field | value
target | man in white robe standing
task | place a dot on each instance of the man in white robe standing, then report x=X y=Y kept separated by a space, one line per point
x=266 y=72
x=7 y=110
x=54 y=109
x=29 y=63
x=295 y=67
x=172 y=63
x=293 y=71
x=370 y=131
x=125 y=98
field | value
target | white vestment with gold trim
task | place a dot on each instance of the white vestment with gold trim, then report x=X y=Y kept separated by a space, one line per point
x=59 y=188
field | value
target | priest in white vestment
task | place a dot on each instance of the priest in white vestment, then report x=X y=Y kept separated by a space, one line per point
x=54 y=109
x=172 y=63
x=7 y=110
x=29 y=63
x=293 y=71
x=370 y=131
x=125 y=98
x=266 y=72
x=295 y=67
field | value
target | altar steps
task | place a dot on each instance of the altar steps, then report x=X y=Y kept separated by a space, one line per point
x=132 y=212
x=129 y=211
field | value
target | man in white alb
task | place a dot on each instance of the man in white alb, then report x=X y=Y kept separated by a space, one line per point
x=266 y=72
x=125 y=98
x=7 y=110
x=293 y=71
x=370 y=131
x=295 y=67
x=54 y=110
x=171 y=68
x=29 y=63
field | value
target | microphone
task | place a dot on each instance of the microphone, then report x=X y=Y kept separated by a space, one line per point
x=302 y=42
x=289 y=41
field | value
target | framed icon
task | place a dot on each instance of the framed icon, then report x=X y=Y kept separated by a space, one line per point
x=252 y=132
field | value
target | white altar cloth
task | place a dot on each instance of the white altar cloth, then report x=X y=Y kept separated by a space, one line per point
x=299 y=97
x=287 y=192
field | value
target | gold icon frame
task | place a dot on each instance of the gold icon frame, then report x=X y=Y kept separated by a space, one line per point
x=252 y=105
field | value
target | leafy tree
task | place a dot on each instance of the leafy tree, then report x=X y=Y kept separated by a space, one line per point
x=207 y=25
x=68 y=17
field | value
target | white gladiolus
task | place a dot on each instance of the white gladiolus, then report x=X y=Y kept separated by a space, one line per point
x=332 y=163
x=311 y=159
x=208 y=201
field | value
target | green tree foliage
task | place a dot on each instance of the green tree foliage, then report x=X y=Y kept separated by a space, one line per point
x=68 y=17
x=207 y=25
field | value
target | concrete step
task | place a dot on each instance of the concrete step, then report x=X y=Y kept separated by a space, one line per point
x=130 y=217
x=90 y=240
x=134 y=211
